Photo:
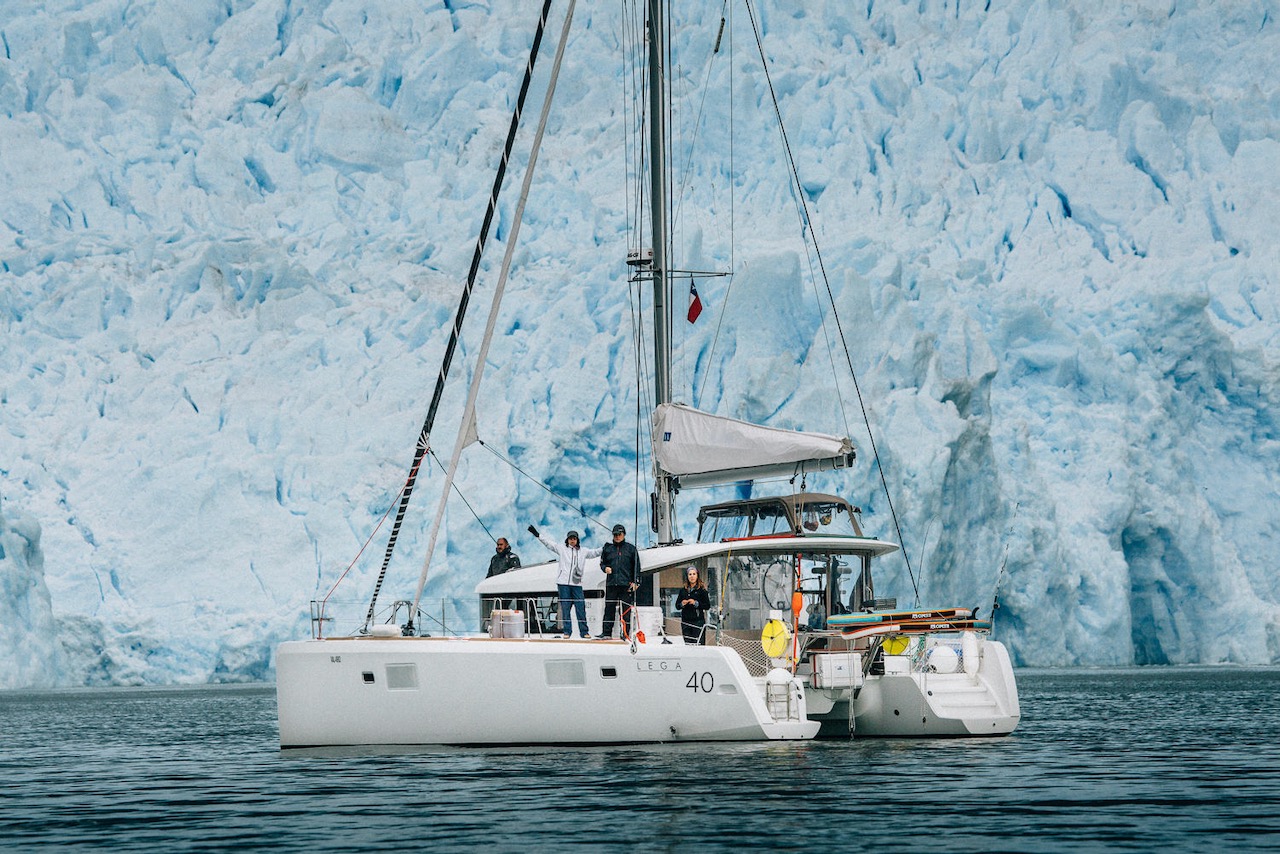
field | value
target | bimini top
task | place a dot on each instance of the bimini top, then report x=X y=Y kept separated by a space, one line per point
x=803 y=514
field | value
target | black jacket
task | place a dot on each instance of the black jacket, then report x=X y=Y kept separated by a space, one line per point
x=500 y=563
x=694 y=615
x=625 y=561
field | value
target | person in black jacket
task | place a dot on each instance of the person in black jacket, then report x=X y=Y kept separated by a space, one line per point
x=504 y=560
x=621 y=564
x=693 y=601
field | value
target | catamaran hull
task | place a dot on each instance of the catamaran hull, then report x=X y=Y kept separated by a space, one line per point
x=525 y=691
x=905 y=706
x=920 y=703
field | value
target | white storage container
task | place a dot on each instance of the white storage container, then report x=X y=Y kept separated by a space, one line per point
x=512 y=624
x=897 y=665
x=495 y=622
x=837 y=670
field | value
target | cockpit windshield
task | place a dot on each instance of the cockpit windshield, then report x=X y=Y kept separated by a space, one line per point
x=798 y=515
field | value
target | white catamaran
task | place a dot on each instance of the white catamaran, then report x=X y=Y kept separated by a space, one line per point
x=798 y=645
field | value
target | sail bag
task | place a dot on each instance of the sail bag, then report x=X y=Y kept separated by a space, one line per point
x=689 y=442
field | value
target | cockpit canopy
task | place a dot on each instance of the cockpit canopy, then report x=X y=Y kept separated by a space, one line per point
x=802 y=514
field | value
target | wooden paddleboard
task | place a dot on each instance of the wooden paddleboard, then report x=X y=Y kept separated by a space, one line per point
x=917 y=627
x=875 y=617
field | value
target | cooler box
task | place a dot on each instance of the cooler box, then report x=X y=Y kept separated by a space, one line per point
x=837 y=670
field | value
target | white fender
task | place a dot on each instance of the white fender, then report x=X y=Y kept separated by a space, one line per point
x=969 y=653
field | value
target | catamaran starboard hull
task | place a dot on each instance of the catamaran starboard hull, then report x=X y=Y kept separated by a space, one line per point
x=903 y=702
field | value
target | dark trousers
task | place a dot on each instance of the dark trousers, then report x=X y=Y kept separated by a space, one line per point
x=612 y=596
x=694 y=633
x=571 y=602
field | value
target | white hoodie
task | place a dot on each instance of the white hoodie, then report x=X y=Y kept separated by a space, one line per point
x=571 y=562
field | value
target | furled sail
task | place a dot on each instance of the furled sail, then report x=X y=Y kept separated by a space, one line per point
x=701 y=449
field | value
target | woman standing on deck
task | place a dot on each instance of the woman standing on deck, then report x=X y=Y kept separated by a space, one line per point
x=693 y=601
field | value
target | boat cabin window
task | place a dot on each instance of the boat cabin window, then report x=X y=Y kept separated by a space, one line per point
x=751 y=522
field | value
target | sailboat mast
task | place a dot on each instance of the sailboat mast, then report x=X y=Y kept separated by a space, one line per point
x=664 y=503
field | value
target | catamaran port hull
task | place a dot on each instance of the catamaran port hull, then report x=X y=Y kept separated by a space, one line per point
x=350 y=691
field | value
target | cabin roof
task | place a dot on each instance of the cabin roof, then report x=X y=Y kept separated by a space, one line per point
x=541 y=577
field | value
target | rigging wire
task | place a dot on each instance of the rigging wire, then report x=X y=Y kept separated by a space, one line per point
x=637 y=344
x=635 y=152
x=826 y=335
x=995 y=593
x=580 y=510
x=672 y=246
x=631 y=151
x=687 y=171
x=725 y=10
x=808 y=223
x=458 y=492
x=697 y=126
x=733 y=187
x=643 y=155
x=473 y=392
x=356 y=559
x=424 y=437
x=626 y=125
x=634 y=149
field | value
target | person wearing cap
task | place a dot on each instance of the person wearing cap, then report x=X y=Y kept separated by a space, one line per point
x=621 y=564
x=571 y=563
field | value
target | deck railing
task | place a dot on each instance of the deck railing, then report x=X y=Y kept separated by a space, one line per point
x=447 y=617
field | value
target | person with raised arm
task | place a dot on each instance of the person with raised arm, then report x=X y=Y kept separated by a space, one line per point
x=571 y=560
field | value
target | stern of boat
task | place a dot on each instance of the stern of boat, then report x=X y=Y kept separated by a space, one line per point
x=964 y=689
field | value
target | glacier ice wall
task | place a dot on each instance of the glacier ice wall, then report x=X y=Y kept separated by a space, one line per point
x=30 y=652
x=232 y=235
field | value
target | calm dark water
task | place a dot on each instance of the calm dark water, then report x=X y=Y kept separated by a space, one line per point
x=1184 y=759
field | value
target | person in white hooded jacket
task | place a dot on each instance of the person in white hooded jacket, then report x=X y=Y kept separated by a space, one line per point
x=571 y=559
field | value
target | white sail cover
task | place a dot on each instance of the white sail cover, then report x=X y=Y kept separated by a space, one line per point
x=688 y=441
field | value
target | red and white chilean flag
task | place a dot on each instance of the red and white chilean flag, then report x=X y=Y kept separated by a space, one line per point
x=695 y=302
